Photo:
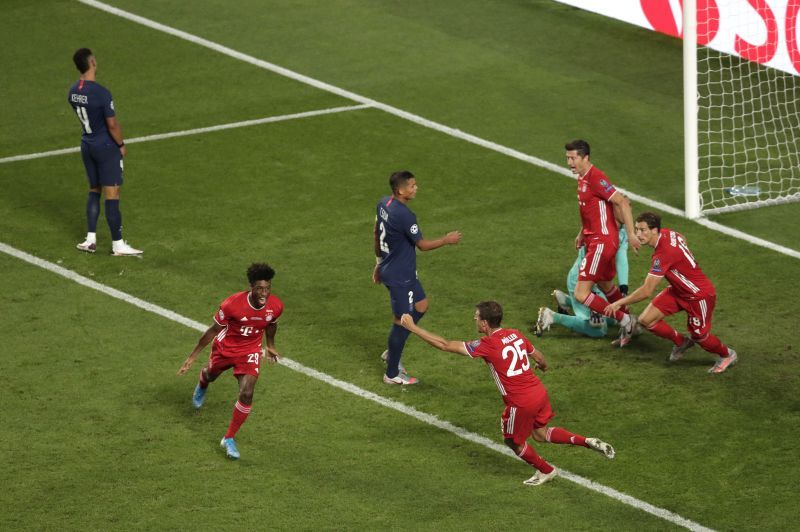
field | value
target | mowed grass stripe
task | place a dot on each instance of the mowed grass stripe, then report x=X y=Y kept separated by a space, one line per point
x=196 y=131
x=351 y=388
x=714 y=226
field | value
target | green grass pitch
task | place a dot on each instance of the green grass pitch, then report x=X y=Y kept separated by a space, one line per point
x=98 y=432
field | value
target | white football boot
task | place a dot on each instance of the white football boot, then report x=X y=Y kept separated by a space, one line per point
x=120 y=248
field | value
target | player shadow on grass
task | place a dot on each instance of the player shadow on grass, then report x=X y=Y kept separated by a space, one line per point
x=644 y=348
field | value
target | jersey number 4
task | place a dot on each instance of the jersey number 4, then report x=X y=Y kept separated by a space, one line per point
x=84 y=118
x=519 y=355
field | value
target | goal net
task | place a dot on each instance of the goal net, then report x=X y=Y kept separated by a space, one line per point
x=748 y=109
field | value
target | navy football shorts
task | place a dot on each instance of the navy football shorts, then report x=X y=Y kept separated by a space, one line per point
x=103 y=164
x=404 y=296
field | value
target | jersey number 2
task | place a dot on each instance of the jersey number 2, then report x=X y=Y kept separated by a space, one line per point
x=384 y=245
x=519 y=355
x=84 y=118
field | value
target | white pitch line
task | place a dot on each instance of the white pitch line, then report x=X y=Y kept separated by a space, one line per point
x=419 y=120
x=352 y=388
x=196 y=131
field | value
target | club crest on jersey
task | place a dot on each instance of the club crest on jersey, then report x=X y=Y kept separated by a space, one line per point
x=269 y=318
x=414 y=229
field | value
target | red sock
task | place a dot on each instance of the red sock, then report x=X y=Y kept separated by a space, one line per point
x=712 y=344
x=203 y=382
x=598 y=304
x=559 y=435
x=664 y=330
x=240 y=412
x=614 y=294
x=530 y=456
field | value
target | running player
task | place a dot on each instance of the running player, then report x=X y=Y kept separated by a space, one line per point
x=239 y=325
x=528 y=409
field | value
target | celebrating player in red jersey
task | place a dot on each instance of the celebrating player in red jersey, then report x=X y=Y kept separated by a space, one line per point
x=239 y=324
x=528 y=409
x=600 y=205
x=689 y=290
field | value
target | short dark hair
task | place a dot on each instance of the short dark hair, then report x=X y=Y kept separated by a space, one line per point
x=491 y=311
x=652 y=220
x=81 y=59
x=399 y=179
x=580 y=146
x=259 y=271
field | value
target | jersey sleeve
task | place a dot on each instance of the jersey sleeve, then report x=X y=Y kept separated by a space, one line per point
x=601 y=186
x=476 y=348
x=277 y=310
x=528 y=346
x=411 y=229
x=221 y=315
x=659 y=264
x=108 y=105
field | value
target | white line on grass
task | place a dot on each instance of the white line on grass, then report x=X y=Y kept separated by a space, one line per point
x=352 y=388
x=419 y=120
x=196 y=131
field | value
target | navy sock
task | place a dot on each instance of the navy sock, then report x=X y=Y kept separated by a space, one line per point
x=92 y=211
x=417 y=315
x=397 y=340
x=114 y=219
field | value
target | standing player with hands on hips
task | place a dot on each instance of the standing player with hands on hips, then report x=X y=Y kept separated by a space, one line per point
x=397 y=238
x=528 y=409
x=102 y=151
x=241 y=322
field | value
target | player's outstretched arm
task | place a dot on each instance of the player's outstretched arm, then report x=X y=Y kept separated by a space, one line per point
x=269 y=338
x=640 y=294
x=450 y=239
x=209 y=335
x=436 y=341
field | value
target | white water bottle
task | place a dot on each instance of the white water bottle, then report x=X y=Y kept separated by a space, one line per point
x=743 y=190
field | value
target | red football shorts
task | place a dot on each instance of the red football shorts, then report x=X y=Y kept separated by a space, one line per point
x=518 y=422
x=699 y=312
x=242 y=365
x=600 y=262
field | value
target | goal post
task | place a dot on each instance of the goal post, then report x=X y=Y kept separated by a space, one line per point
x=741 y=105
x=690 y=163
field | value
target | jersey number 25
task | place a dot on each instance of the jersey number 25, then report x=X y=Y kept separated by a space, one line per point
x=519 y=355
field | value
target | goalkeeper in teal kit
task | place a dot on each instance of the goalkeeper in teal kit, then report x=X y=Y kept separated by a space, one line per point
x=583 y=321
